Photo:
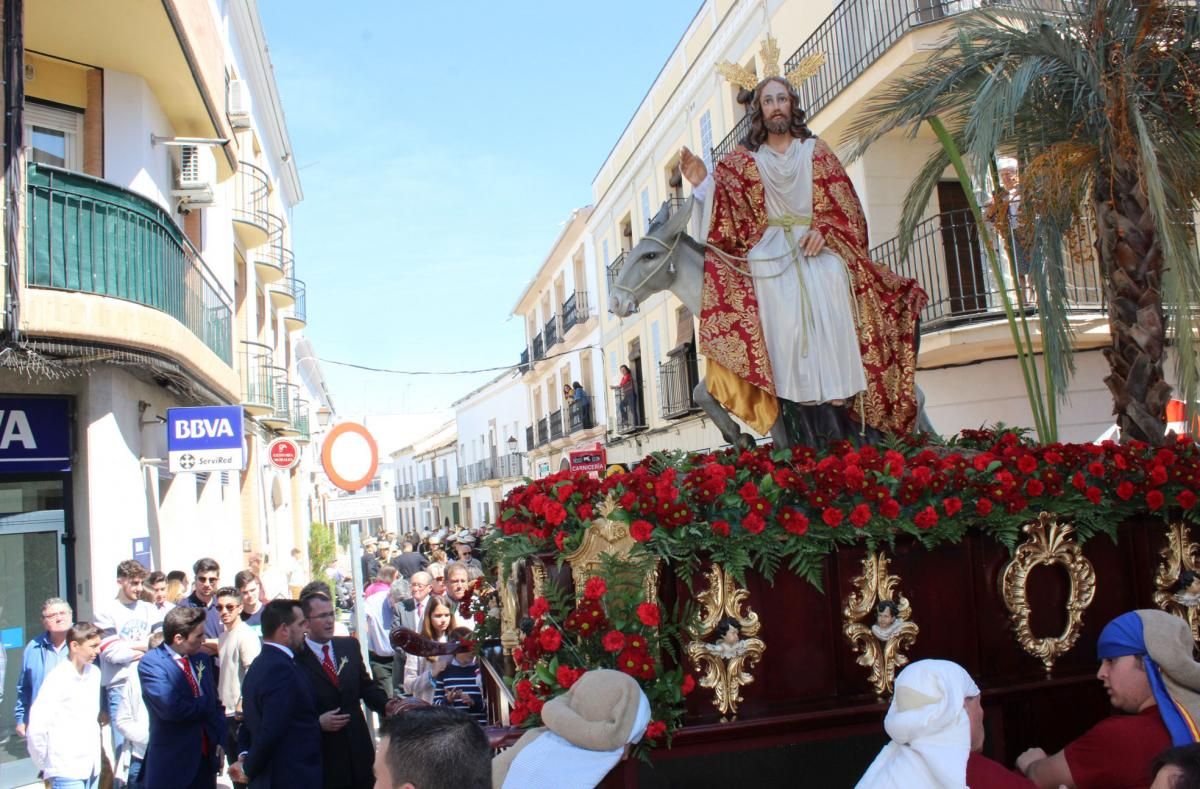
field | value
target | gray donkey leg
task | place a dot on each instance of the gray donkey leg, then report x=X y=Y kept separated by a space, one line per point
x=721 y=418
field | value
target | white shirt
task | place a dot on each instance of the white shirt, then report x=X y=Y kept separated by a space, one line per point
x=64 y=728
x=318 y=649
x=378 y=638
x=132 y=720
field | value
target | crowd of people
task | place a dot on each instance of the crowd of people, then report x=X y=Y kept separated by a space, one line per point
x=173 y=683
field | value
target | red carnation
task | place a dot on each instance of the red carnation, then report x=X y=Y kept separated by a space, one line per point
x=584 y=512
x=926 y=518
x=890 y=508
x=749 y=491
x=1034 y=487
x=1125 y=490
x=613 y=641
x=832 y=516
x=655 y=729
x=1093 y=494
x=792 y=521
x=518 y=714
x=1158 y=475
x=983 y=507
x=554 y=513
x=524 y=689
x=535 y=706
x=1027 y=464
x=539 y=608
x=1077 y=480
x=1154 y=500
x=1186 y=499
x=559 y=536
x=649 y=614
x=720 y=528
x=754 y=523
x=595 y=588
x=688 y=684
x=550 y=639
x=567 y=676
x=636 y=663
x=951 y=506
x=640 y=530
x=860 y=515
x=1096 y=469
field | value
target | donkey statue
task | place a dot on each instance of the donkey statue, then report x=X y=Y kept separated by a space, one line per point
x=667 y=258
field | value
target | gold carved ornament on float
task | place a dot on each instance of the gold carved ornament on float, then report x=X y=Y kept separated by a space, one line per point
x=881 y=643
x=1177 y=582
x=725 y=648
x=1048 y=542
x=603 y=536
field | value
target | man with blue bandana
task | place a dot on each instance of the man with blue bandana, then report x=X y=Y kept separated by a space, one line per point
x=1147 y=668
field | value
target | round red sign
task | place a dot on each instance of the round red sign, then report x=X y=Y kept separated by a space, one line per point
x=283 y=453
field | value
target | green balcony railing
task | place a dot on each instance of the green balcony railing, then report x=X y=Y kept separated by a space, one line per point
x=90 y=236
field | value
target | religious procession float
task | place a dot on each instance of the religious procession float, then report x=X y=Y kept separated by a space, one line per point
x=765 y=596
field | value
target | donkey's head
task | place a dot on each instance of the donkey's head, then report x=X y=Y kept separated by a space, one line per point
x=651 y=265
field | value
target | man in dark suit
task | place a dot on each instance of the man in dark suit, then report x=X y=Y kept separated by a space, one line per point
x=409 y=561
x=187 y=721
x=280 y=740
x=339 y=680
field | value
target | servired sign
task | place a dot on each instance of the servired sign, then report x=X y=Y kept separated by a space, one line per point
x=283 y=453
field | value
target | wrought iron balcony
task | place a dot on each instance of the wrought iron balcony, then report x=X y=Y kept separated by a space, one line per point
x=853 y=37
x=550 y=332
x=511 y=465
x=300 y=420
x=281 y=411
x=524 y=365
x=283 y=292
x=89 y=236
x=251 y=190
x=257 y=374
x=268 y=258
x=529 y=438
x=574 y=310
x=556 y=424
x=298 y=317
x=543 y=431
x=539 y=352
x=949 y=262
x=483 y=470
x=628 y=413
x=580 y=416
x=677 y=378
x=293 y=398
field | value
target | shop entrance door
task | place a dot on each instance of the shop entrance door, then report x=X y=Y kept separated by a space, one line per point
x=32 y=569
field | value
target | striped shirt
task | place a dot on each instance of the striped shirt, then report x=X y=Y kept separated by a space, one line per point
x=465 y=678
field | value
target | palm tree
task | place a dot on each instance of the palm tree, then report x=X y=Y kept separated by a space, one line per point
x=1099 y=98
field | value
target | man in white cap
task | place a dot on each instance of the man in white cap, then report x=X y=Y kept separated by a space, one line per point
x=936 y=725
x=464 y=545
x=1147 y=668
x=370 y=562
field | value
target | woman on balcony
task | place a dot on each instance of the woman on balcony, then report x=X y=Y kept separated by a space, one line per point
x=581 y=408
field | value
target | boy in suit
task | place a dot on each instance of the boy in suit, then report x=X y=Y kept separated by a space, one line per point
x=187 y=721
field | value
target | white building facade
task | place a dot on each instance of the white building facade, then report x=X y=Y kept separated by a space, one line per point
x=491 y=423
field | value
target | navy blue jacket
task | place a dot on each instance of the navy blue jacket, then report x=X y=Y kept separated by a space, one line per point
x=178 y=717
x=280 y=733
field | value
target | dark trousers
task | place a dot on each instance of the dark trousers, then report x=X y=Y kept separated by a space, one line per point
x=382 y=672
x=232 y=724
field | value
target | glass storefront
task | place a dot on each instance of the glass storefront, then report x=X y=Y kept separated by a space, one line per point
x=32 y=562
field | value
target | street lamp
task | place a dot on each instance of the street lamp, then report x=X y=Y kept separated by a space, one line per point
x=323 y=415
x=512 y=444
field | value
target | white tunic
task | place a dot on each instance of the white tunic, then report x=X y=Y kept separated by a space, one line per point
x=818 y=359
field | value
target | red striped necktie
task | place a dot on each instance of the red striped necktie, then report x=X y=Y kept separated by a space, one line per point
x=327 y=664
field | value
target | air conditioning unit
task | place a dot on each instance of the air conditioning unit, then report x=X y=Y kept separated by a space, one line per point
x=195 y=176
x=237 y=104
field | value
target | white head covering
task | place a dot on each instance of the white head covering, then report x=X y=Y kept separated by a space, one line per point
x=930 y=730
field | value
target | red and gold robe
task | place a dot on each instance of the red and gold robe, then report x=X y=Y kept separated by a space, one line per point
x=738 y=372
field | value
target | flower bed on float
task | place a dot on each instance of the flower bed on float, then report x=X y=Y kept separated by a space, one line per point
x=768 y=509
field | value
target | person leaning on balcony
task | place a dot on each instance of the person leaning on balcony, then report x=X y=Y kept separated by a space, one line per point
x=582 y=404
x=1147 y=669
x=624 y=390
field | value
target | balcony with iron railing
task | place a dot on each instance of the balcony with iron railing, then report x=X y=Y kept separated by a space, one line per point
x=281 y=413
x=251 y=193
x=852 y=38
x=948 y=261
x=85 y=235
x=298 y=317
x=300 y=420
x=483 y=470
x=283 y=291
x=543 y=431
x=677 y=378
x=292 y=394
x=269 y=257
x=530 y=438
x=539 y=352
x=511 y=465
x=524 y=364
x=556 y=425
x=550 y=332
x=426 y=487
x=575 y=311
x=257 y=376
x=628 y=414
x=579 y=416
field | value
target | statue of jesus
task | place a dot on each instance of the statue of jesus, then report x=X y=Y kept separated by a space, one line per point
x=793 y=310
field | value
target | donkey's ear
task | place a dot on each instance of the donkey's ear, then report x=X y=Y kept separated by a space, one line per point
x=677 y=222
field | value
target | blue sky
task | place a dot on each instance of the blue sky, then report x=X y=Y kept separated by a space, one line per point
x=441 y=146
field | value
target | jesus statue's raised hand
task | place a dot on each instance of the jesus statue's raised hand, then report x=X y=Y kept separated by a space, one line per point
x=692 y=167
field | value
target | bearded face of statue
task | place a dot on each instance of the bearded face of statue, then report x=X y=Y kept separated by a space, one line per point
x=776 y=106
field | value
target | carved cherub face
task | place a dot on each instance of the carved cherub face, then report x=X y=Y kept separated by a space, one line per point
x=732 y=635
x=885 y=615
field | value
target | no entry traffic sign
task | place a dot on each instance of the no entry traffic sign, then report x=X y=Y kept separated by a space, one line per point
x=283 y=453
x=350 y=456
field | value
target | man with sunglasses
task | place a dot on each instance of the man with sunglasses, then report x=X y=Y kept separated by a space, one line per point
x=208 y=578
x=238 y=645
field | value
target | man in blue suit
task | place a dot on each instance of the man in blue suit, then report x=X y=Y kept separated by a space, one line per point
x=280 y=738
x=187 y=721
